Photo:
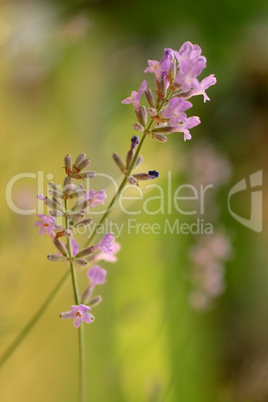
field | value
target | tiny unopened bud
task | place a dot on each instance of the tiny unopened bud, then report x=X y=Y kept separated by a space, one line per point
x=129 y=157
x=159 y=137
x=152 y=112
x=56 y=193
x=85 y=222
x=60 y=246
x=118 y=162
x=55 y=213
x=95 y=301
x=68 y=233
x=67 y=190
x=161 y=88
x=132 y=180
x=83 y=204
x=88 y=175
x=172 y=71
x=138 y=161
x=83 y=164
x=77 y=216
x=138 y=127
x=141 y=114
x=68 y=164
x=67 y=180
x=55 y=258
x=80 y=261
x=163 y=129
x=150 y=97
x=53 y=186
x=134 y=141
x=86 y=295
x=86 y=251
x=141 y=176
x=79 y=159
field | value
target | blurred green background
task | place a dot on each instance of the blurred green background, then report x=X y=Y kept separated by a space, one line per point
x=65 y=67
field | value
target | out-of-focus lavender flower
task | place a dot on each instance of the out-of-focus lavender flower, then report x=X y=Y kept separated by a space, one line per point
x=95 y=197
x=79 y=313
x=46 y=224
x=97 y=276
x=184 y=127
x=188 y=51
x=109 y=257
x=105 y=244
x=175 y=111
x=135 y=96
x=208 y=257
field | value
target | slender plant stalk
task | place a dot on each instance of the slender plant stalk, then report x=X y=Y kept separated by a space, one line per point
x=81 y=353
x=63 y=280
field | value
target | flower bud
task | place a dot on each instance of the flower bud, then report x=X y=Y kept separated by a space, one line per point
x=152 y=112
x=55 y=213
x=172 y=71
x=161 y=88
x=88 y=175
x=83 y=164
x=150 y=97
x=138 y=127
x=60 y=246
x=132 y=180
x=79 y=159
x=129 y=158
x=56 y=193
x=67 y=180
x=85 y=222
x=68 y=189
x=68 y=233
x=163 y=129
x=141 y=114
x=83 y=204
x=138 y=161
x=95 y=301
x=55 y=258
x=159 y=137
x=77 y=216
x=153 y=174
x=68 y=164
x=118 y=162
x=80 y=261
x=86 y=251
x=57 y=201
x=53 y=186
x=141 y=176
x=86 y=295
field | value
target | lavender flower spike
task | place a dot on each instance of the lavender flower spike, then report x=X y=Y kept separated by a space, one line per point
x=79 y=313
x=135 y=96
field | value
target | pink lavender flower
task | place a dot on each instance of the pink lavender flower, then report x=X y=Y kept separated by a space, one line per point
x=188 y=51
x=95 y=197
x=175 y=111
x=135 y=96
x=160 y=68
x=109 y=257
x=189 y=70
x=46 y=224
x=97 y=276
x=79 y=313
x=199 y=88
x=184 y=127
x=105 y=244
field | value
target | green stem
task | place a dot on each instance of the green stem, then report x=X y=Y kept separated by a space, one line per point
x=34 y=320
x=81 y=353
